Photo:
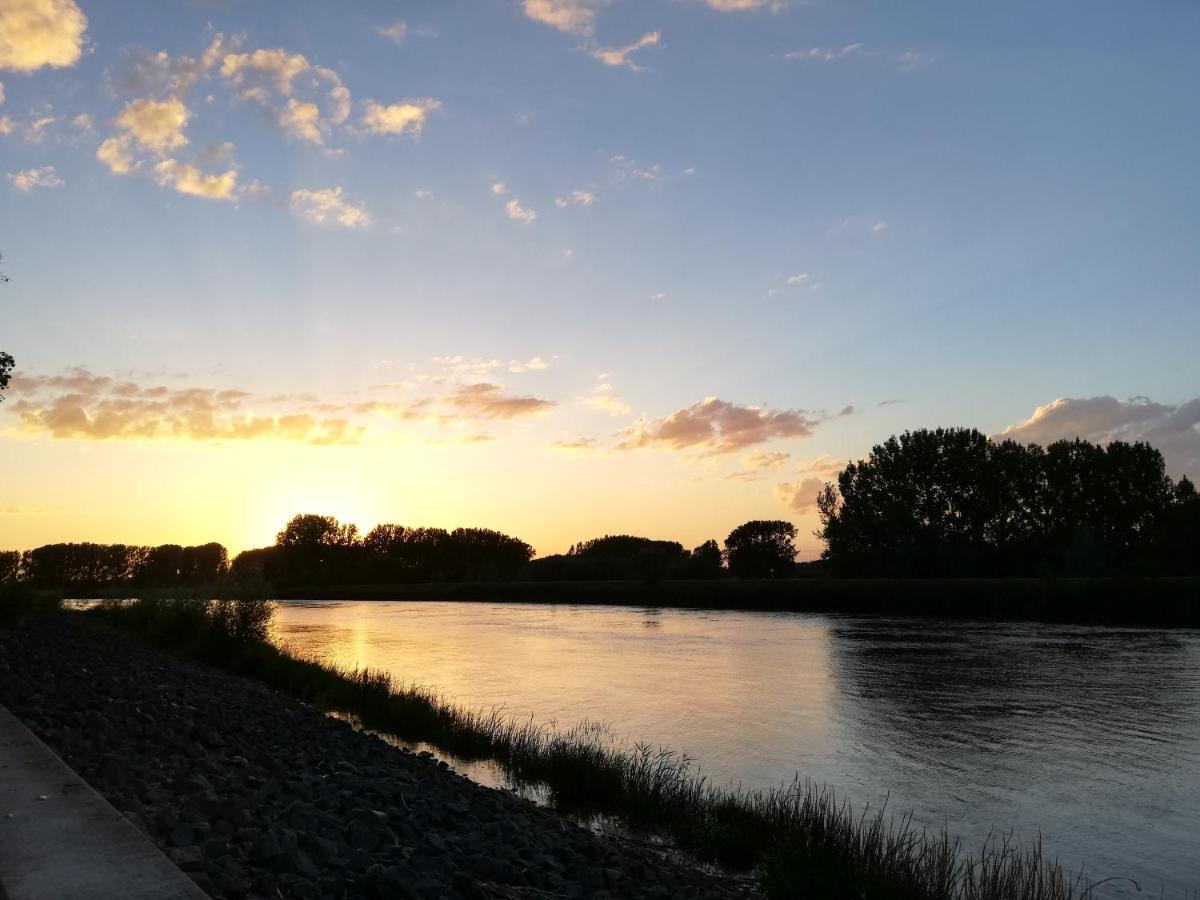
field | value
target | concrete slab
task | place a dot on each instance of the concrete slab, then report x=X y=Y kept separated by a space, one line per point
x=60 y=840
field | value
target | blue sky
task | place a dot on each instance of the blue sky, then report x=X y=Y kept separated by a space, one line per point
x=794 y=208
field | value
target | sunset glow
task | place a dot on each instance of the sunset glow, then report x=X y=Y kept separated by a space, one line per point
x=565 y=268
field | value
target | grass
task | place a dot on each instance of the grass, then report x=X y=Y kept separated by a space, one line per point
x=800 y=840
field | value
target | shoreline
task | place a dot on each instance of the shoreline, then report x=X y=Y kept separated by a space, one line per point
x=1158 y=602
x=251 y=793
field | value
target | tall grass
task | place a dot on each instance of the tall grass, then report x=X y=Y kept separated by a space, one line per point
x=800 y=839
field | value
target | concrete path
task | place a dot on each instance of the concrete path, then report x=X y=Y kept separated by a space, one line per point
x=60 y=840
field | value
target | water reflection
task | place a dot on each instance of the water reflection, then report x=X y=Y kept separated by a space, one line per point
x=1091 y=734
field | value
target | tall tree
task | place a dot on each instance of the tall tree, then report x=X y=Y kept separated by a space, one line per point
x=762 y=549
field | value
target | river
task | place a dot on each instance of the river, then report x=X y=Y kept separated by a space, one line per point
x=1089 y=735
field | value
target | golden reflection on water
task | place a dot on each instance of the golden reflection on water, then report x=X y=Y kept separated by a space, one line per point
x=667 y=677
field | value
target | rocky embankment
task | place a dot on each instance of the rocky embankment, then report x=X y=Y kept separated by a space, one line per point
x=256 y=796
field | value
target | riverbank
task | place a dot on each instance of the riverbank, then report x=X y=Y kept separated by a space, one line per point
x=255 y=795
x=1160 y=602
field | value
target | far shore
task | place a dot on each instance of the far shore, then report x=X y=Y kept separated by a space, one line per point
x=1100 y=601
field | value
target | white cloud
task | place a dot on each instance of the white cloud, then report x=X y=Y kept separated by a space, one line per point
x=35 y=127
x=515 y=211
x=328 y=206
x=619 y=56
x=187 y=179
x=302 y=119
x=797 y=278
x=1174 y=430
x=879 y=226
x=6 y=125
x=36 y=33
x=156 y=125
x=499 y=189
x=1 y=93
x=744 y=5
x=826 y=54
x=83 y=122
x=27 y=179
x=396 y=32
x=574 y=16
x=398 y=118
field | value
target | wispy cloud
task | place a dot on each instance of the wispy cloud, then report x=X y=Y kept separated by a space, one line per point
x=575 y=198
x=801 y=495
x=905 y=60
x=328 y=206
x=396 y=32
x=28 y=179
x=603 y=399
x=489 y=401
x=515 y=211
x=619 y=56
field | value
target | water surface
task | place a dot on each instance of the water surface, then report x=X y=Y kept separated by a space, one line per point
x=1091 y=735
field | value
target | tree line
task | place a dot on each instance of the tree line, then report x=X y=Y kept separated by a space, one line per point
x=952 y=502
x=87 y=566
x=932 y=502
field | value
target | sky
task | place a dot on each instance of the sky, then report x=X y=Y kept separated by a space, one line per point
x=573 y=267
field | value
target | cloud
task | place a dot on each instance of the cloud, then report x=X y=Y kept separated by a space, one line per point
x=573 y=16
x=619 y=56
x=744 y=5
x=536 y=364
x=37 y=33
x=158 y=73
x=339 y=96
x=6 y=125
x=187 y=179
x=273 y=66
x=460 y=365
x=515 y=211
x=83 y=122
x=717 y=428
x=756 y=465
x=396 y=32
x=398 y=118
x=302 y=119
x=576 y=198
x=905 y=61
x=1 y=93
x=879 y=226
x=799 y=496
x=602 y=399
x=81 y=406
x=157 y=125
x=488 y=401
x=327 y=206
x=1173 y=429
x=116 y=154
x=578 y=445
x=27 y=179
x=797 y=278
x=499 y=189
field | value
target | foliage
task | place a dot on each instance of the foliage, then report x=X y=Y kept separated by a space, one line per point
x=87 y=566
x=763 y=548
x=952 y=502
x=6 y=367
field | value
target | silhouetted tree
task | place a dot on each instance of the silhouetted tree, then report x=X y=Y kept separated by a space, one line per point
x=705 y=561
x=762 y=549
x=6 y=367
x=953 y=502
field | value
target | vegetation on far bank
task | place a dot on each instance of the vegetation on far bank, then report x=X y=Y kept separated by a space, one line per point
x=799 y=840
x=927 y=504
